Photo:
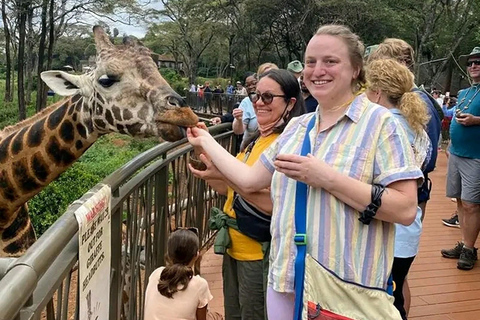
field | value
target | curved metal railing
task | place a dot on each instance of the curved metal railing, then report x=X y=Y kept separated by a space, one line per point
x=151 y=195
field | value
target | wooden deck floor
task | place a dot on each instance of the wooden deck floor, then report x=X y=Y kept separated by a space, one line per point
x=439 y=290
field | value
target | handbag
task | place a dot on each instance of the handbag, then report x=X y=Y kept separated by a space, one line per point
x=251 y=221
x=319 y=293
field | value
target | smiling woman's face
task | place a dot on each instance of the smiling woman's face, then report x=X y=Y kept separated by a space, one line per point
x=328 y=72
x=269 y=113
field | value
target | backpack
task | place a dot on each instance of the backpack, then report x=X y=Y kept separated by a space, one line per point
x=433 y=101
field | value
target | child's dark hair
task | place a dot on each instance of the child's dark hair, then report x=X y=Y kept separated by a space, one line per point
x=182 y=247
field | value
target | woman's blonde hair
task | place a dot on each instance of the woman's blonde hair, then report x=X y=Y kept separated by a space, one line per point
x=355 y=49
x=393 y=48
x=264 y=67
x=397 y=82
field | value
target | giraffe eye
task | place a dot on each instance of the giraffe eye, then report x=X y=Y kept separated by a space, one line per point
x=107 y=81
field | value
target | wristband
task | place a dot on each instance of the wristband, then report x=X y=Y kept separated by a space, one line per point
x=367 y=216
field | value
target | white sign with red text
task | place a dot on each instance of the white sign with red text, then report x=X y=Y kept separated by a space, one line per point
x=94 y=221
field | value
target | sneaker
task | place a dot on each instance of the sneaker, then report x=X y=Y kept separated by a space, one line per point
x=453 y=253
x=452 y=222
x=467 y=259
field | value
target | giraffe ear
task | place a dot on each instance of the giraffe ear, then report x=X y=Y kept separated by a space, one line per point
x=62 y=83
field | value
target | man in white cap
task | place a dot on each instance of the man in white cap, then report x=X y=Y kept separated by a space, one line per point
x=296 y=68
x=463 y=173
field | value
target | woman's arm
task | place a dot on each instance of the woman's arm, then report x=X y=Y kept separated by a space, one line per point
x=218 y=185
x=201 y=313
x=260 y=199
x=399 y=201
x=249 y=179
x=238 y=126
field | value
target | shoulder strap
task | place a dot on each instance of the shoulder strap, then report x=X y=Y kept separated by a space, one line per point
x=300 y=237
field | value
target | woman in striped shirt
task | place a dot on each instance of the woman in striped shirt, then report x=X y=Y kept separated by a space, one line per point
x=354 y=144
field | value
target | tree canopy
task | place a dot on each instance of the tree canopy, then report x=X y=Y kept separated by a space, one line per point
x=226 y=38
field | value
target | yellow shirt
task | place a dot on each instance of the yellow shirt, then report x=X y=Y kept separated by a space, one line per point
x=244 y=248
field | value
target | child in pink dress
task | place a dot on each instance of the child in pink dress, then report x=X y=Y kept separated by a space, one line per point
x=173 y=292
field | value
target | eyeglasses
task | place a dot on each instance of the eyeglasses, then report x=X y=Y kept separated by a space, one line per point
x=473 y=62
x=266 y=97
x=193 y=229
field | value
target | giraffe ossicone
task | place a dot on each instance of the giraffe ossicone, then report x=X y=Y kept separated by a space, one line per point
x=125 y=93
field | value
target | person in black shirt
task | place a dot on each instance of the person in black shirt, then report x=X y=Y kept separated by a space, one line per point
x=310 y=102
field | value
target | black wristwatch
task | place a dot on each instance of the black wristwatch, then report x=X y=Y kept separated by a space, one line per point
x=367 y=216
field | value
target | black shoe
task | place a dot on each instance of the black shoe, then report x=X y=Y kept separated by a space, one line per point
x=453 y=253
x=452 y=222
x=467 y=259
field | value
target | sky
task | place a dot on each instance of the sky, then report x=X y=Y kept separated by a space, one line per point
x=134 y=29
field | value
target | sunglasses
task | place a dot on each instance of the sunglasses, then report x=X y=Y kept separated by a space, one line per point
x=193 y=229
x=473 y=62
x=266 y=97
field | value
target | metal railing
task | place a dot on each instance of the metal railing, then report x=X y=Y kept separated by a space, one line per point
x=214 y=103
x=151 y=195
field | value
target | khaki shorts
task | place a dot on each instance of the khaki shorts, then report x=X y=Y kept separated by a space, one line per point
x=463 y=179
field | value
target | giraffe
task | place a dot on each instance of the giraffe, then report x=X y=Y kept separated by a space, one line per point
x=125 y=93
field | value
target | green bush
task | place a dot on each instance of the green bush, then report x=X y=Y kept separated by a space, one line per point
x=51 y=202
x=105 y=156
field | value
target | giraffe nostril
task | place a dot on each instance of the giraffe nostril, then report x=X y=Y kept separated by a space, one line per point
x=175 y=101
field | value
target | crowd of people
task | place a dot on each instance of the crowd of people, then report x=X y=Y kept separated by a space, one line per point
x=331 y=175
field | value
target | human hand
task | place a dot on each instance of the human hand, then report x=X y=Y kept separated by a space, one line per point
x=202 y=125
x=197 y=136
x=210 y=173
x=467 y=119
x=215 y=120
x=307 y=169
x=237 y=113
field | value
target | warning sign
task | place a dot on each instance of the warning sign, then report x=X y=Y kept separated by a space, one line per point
x=94 y=221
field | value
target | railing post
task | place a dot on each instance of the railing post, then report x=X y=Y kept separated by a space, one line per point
x=161 y=205
x=116 y=264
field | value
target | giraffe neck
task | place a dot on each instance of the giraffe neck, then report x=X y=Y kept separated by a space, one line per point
x=35 y=152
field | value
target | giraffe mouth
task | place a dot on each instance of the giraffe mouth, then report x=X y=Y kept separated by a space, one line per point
x=172 y=123
x=172 y=132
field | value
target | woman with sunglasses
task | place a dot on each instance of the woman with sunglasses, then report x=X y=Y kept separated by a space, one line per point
x=173 y=292
x=276 y=101
x=357 y=151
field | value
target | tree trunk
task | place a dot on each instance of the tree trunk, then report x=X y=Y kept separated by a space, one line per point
x=30 y=54
x=448 y=78
x=8 y=84
x=41 y=101
x=51 y=44
x=51 y=38
x=22 y=19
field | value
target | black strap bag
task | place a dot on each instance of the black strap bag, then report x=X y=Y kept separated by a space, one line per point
x=251 y=221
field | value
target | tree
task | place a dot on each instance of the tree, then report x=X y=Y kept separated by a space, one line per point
x=8 y=55
x=23 y=6
x=190 y=29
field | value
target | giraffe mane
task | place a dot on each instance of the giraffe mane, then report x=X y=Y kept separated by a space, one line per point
x=24 y=123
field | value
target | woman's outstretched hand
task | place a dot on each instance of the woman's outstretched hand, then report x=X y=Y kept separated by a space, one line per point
x=306 y=169
x=211 y=173
x=198 y=134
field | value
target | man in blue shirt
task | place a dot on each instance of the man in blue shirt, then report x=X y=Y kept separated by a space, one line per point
x=230 y=88
x=463 y=174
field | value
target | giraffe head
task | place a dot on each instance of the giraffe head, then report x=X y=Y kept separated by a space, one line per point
x=126 y=93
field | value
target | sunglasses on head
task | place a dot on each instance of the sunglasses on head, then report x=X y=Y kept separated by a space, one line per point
x=193 y=229
x=266 y=97
x=473 y=62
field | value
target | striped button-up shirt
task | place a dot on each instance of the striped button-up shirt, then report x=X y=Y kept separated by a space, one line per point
x=367 y=144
